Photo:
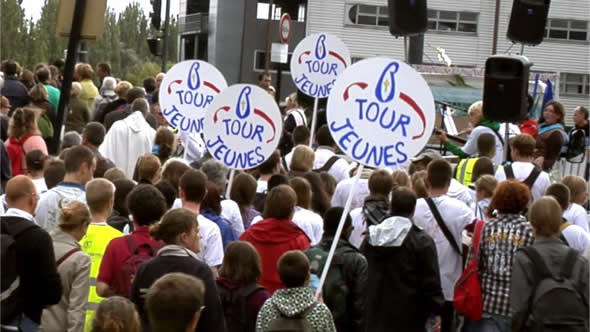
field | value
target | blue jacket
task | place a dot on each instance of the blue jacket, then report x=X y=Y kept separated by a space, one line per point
x=227 y=234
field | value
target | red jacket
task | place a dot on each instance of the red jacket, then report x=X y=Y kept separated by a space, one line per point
x=272 y=237
x=530 y=127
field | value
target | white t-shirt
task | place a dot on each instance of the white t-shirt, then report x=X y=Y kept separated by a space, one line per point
x=231 y=211
x=358 y=223
x=343 y=189
x=211 y=245
x=576 y=237
x=340 y=168
x=521 y=171
x=576 y=214
x=288 y=158
x=261 y=186
x=40 y=185
x=310 y=222
x=470 y=147
x=460 y=192
x=456 y=216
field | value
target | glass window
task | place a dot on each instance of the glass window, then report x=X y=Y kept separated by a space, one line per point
x=445 y=15
x=449 y=21
x=352 y=13
x=567 y=29
x=432 y=13
x=559 y=24
x=579 y=25
x=367 y=20
x=558 y=34
x=468 y=16
x=578 y=35
x=575 y=84
x=364 y=9
x=468 y=27
x=447 y=26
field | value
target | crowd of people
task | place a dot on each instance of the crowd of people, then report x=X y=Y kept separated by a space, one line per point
x=129 y=224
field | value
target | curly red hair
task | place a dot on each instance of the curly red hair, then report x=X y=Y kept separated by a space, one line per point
x=511 y=197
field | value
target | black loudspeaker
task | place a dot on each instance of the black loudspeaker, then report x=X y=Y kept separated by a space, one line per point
x=407 y=17
x=527 y=21
x=505 y=88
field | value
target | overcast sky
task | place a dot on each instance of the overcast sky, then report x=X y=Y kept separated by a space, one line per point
x=33 y=7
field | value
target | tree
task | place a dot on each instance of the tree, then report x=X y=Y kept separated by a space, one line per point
x=14 y=30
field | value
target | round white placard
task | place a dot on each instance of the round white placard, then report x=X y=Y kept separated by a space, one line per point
x=316 y=63
x=381 y=112
x=188 y=88
x=243 y=126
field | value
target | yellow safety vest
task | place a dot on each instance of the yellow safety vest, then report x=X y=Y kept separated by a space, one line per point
x=94 y=243
x=465 y=170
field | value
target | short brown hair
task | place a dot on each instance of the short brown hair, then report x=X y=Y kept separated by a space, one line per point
x=123 y=88
x=329 y=183
x=486 y=184
x=401 y=178
x=114 y=174
x=212 y=199
x=293 y=268
x=403 y=202
x=524 y=144
x=165 y=141
x=558 y=108
x=99 y=195
x=545 y=215
x=439 y=173
x=561 y=193
x=268 y=166
x=172 y=170
x=419 y=184
x=303 y=158
x=39 y=93
x=173 y=223
x=380 y=183
x=302 y=189
x=280 y=202
x=84 y=71
x=117 y=314
x=241 y=263
x=483 y=166
x=148 y=166
x=76 y=156
x=243 y=189
x=173 y=300
x=510 y=197
x=486 y=144
x=194 y=185
x=577 y=186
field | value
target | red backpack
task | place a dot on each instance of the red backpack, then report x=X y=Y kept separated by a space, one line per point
x=123 y=278
x=16 y=154
x=467 y=299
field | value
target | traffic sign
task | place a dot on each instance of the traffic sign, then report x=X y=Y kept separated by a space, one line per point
x=285 y=28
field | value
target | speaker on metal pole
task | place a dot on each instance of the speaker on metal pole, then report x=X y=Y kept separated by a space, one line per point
x=407 y=17
x=527 y=21
x=505 y=88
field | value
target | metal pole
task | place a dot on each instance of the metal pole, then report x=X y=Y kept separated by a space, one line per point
x=268 y=26
x=406 y=48
x=522 y=49
x=496 y=23
x=165 y=46
x=77 y=20
x=278 y=90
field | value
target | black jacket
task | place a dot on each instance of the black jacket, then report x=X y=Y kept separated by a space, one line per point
x=355 y=273
x=404 y=279
x=39 y=279
x=16 y=92
x=212 y=318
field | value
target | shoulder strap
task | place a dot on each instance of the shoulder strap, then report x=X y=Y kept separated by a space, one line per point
x=541 y=268
x=249 y=289
x=567 y=269
x=509 y=172
x=495 y=132
x=65 y=256
x=563 y=239
x=131 y=244
x=477 y=236
x=564 y=225
x=442 y=225
x=530 y=180
x=329 y=163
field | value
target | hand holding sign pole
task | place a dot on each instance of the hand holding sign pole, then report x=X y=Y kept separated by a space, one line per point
x=316 y=63
x=380 y=113
x=242 y=127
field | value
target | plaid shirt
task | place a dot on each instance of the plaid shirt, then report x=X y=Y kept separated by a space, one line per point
x=502 y=236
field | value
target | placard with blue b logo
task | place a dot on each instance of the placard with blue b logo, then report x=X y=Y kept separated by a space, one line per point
x=243 y=126
x=188 y=88
x=381 y=112
x=316 y=62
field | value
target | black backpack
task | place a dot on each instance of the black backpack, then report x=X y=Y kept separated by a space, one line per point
x=529 y=181
x=571 y=315
x=235 y=307
x=12 y=302
x=576 y=145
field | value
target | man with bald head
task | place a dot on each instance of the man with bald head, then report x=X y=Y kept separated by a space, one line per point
x=159 y=79
x=40 y=285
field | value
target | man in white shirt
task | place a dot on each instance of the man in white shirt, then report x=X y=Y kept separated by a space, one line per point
x=129 y=138
x=192 y=188
x=574 y=235
x=325 y=157
x=456 y=216
x=80 y=164
x=522 y=149
x=216 y=173
x=360 y=193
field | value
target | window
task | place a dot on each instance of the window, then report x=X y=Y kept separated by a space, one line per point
x=438 y=20
x=566 y=29
x=296 y=10
x=450 y=21
x=575 y=84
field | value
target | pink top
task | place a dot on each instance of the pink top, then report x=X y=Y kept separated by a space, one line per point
x=34 y=142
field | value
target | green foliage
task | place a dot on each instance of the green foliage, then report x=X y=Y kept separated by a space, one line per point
x=123 y=43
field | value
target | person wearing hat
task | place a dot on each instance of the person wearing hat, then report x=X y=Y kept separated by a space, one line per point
x=4 y=119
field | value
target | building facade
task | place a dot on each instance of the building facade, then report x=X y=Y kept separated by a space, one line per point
x=465 y=30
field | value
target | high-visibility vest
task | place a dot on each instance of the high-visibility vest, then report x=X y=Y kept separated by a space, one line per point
x=94 y=243
x=465 y=170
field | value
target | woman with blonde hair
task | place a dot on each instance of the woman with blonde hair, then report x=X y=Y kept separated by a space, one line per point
x=239 y=274
x=302 y=161
x=73 y=266
x=84 y=73
x=23 y=137
x=116 y=314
